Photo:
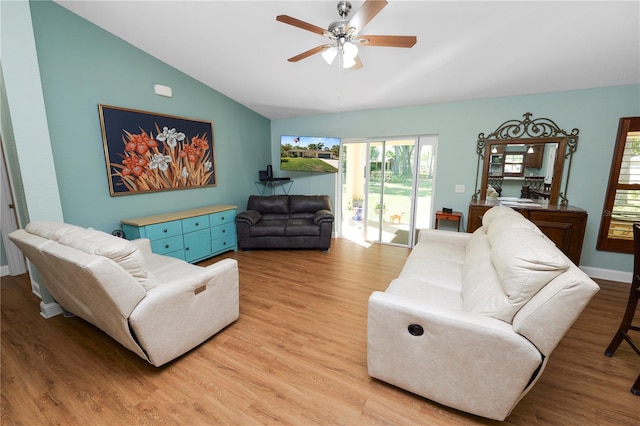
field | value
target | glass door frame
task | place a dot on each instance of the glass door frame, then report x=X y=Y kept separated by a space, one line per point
x=419 y=143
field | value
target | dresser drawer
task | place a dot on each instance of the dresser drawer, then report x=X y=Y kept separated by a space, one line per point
x=195 y=223
x=224 y=244
x=167 y=245
x=162 y=230
x=222 y=217
x=223 y=230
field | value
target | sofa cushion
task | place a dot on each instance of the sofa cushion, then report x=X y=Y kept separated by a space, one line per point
x=308 y=203
x=525 y=263
x=482 y=291
x=436 y=264
x=121 y=251
x=268 y=228
x=269 y=204
x=425 y=294
x=301 y=227
x=50 y=230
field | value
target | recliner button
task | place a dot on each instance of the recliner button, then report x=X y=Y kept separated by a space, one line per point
x=416 y=330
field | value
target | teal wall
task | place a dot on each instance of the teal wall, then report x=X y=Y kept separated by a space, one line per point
x=82 y=66
x=595 y=112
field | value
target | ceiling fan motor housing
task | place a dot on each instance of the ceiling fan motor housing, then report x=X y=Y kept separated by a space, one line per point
x=343 y=9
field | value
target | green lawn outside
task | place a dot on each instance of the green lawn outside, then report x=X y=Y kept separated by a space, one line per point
x=306 y=164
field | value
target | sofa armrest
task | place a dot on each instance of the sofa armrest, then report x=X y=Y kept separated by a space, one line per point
x=144 y=244
x=323 y=216
x=177 y=316
x=442 y=236
x=463 y=359
x=250 y=217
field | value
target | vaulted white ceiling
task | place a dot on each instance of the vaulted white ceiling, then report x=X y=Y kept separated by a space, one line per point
x=465 y=50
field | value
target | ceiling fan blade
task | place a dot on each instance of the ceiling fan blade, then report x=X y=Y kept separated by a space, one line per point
x=366 y=13
x=387 y=40
x=300 y=24
x=358 y=64
x=308 y=53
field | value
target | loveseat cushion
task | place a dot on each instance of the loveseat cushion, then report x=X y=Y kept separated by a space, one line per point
x=278 y=204
x=301 y=227
x=121 y=251
x=268 y=228
x=308 y=203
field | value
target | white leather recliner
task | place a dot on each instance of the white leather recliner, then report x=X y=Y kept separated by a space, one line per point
x=156 y=306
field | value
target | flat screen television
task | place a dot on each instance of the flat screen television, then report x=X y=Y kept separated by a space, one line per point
x=309 y=154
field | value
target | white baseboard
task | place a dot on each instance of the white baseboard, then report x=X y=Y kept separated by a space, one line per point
x=48 y=310
x=608 y=274
x=4 y=270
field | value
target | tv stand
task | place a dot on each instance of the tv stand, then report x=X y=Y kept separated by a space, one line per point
x=263 y=185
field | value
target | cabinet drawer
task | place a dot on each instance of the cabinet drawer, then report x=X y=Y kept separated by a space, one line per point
x=167 y=245
x=223 y=244
x=222 y=217
x=195 y=223
x=223 y=230
x=162 y=230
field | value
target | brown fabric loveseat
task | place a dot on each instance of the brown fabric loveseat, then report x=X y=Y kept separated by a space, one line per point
x=286 y=222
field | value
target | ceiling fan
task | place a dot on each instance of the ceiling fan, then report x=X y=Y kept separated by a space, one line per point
x=345 y=34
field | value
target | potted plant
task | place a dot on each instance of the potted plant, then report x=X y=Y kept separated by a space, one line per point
x=377 y=208
x=358 y=202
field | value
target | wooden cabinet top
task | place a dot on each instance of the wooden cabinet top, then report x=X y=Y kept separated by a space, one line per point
x=167 y=217
x=536 y=205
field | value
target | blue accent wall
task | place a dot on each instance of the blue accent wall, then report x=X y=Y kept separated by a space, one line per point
x=82 y=66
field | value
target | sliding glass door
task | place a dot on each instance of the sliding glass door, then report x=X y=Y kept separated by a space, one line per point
x=386 y=189
x=390 y=191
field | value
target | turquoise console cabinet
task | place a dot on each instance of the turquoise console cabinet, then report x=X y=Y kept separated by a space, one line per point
x=191 y=235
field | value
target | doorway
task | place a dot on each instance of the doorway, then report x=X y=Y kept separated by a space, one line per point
x=386 y=188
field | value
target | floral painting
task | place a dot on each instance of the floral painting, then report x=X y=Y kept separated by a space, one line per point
x=146 y=151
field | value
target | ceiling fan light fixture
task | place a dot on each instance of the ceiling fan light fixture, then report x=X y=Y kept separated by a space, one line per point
x=348 y=62
x=329 y=54
x=350 y=50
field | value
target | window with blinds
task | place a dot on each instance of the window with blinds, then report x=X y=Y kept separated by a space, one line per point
x=622 y=201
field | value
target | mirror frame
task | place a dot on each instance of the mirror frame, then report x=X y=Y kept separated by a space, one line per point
x=529 y=132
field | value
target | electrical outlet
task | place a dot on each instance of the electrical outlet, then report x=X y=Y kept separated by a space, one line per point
x=460 y=189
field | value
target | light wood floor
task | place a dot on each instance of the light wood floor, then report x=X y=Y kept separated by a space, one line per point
x=297 y=355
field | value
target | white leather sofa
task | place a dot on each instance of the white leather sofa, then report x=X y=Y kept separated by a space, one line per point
x=472 y=318
x=156 y=306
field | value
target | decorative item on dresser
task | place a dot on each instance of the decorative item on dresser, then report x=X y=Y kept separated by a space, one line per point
x=191 y=235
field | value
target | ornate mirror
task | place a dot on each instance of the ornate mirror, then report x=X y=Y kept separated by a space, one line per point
x=524 y=159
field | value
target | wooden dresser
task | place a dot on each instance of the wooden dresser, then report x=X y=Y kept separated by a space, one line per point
x=565 y=226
